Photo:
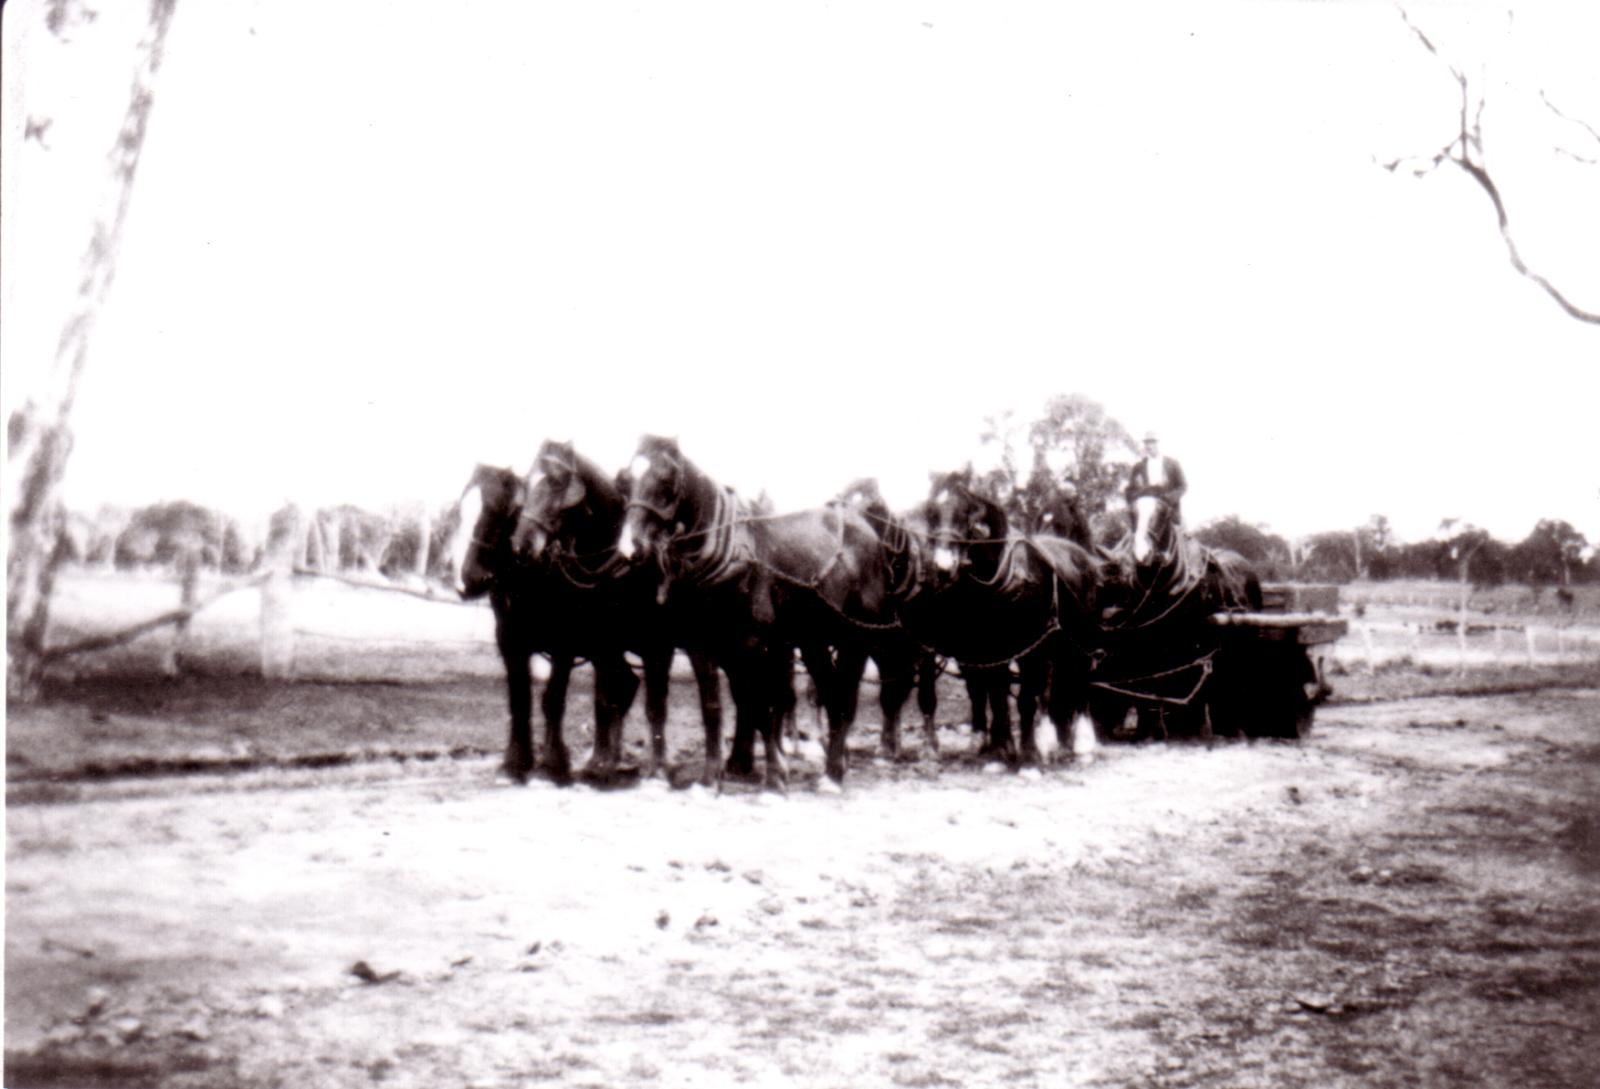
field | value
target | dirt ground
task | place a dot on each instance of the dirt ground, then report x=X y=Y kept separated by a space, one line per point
x=1409 y=898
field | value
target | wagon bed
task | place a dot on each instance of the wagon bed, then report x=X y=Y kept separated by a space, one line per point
x=1270 y=678
x=1306 y=629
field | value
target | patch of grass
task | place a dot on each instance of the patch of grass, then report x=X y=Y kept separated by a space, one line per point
x=50 y=1070
x=922 y=1078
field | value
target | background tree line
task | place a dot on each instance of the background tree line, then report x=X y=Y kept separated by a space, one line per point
x=1074 y=439
x=1071 y=439
x=341 y=539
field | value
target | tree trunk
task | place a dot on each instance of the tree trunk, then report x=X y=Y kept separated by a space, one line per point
x=425 y=531
x=38 y=437
x=277 y=601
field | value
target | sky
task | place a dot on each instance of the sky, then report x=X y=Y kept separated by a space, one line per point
x=372 y=244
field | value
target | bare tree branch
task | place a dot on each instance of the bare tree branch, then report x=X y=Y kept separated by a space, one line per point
x=1465 y=150
x=1568 y=152
x=1573 y=120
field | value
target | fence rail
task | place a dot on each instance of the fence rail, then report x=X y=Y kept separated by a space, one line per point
x=307 y=623
x=1445 y=641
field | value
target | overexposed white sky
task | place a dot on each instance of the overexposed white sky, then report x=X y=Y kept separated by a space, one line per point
x=373 y=243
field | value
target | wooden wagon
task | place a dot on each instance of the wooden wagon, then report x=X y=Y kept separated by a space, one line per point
x=1269 y=674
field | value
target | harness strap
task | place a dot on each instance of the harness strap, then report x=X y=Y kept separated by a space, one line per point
x=1204 y=663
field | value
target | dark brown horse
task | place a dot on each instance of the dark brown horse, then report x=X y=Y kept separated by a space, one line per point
x=536 y=612
x=749 y=588
x=1161 y=651
x=1001 y=598
x=568 y=525
x=901 y=660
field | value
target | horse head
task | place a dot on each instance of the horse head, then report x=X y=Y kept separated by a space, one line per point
x=489 y=508
x=658 y=483
x=864 y=495
x=963 y=525
x=568 y=499
x=1152 y=529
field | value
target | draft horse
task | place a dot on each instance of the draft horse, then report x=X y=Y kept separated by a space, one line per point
x=901 y=660
x=1163 y=656
x=1001 y=598
x=536 y=613
x=748 y=589
x=569 y=524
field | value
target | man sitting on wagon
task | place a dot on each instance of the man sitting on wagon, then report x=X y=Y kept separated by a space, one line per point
x=1159 y=476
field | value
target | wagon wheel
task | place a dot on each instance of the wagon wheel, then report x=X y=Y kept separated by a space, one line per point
x=1289 y=681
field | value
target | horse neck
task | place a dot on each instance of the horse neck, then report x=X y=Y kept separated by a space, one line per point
x=986 y=557
x=594 y=525
x=699 y=500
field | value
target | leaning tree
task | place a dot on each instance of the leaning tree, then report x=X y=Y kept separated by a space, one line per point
x=38 y=430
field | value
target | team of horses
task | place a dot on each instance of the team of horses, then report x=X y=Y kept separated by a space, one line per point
x=583 y=566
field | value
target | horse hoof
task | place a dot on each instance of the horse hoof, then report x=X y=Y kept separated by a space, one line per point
x=993 y=767
x=1032 y=774
x=826 y=785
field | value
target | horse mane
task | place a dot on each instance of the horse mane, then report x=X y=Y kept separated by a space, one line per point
x=1239 y=587
x=598 y=484
x=498 y=481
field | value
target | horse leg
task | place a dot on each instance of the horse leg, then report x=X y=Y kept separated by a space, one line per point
x=518 y=760
x=556 y=763
x=614 y=689
x=751 y=682
x=710 y=688
x=786 y=709
x=1069 y=688
x=928 y=699
x=978 y=697
x=896 y=678
x=657 y=683
x=777 y=770
x=819 y=665
x=742 y=758
x=846 y=683
x=1001 y=744
x=1035 y=670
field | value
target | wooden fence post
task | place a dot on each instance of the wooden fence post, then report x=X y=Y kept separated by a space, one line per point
x=178 y=646
x=277 y=606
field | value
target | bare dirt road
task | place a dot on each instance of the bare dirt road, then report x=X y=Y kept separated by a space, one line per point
x=1410 y=898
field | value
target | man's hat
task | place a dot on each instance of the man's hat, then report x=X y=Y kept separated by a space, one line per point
x=1151 y=436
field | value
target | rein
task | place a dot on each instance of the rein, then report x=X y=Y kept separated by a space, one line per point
x=1052 y=626
x=565 y=562
x=1204 y=663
